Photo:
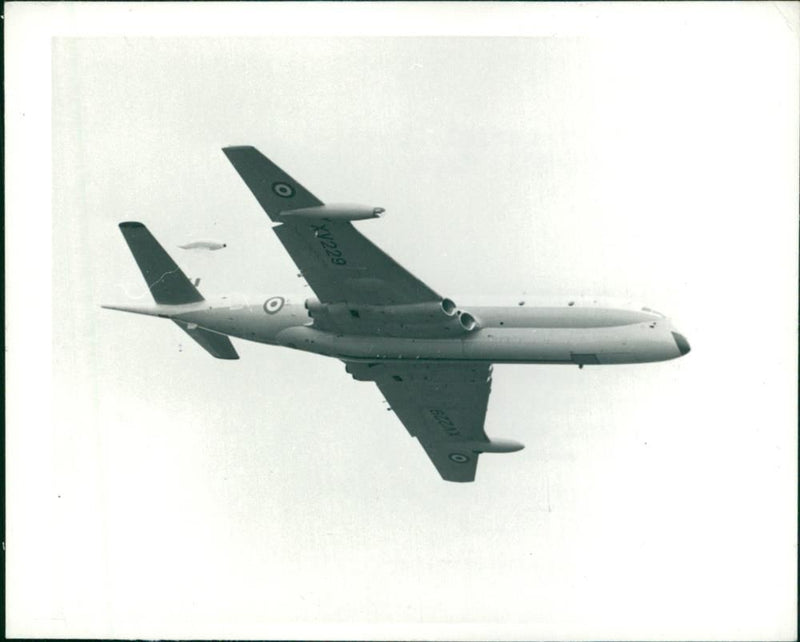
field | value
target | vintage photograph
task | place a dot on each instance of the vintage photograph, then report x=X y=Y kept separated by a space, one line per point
x=447 y=321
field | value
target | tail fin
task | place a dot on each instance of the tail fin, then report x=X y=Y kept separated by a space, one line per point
x=167 y=283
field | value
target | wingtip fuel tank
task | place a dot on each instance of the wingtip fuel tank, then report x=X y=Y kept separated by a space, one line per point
x=498 y=446
x=333 y=212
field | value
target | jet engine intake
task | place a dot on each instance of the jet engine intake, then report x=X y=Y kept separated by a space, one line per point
x=449 y=307
x=468 y=322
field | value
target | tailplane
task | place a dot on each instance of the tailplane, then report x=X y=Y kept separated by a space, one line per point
x=217 y=345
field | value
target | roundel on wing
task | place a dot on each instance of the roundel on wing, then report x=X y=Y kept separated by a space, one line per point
x=458 y=458
x=273 y=304
x=284 y=190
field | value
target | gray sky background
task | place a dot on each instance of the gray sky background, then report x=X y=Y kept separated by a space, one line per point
x=642 y=152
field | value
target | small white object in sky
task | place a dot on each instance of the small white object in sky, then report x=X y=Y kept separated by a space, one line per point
x=203 y=245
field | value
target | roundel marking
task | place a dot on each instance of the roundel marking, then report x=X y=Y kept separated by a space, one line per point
x=458 y=458
x=273 y=304
x=283 y=190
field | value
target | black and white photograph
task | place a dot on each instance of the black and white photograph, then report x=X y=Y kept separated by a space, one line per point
x=420 y=321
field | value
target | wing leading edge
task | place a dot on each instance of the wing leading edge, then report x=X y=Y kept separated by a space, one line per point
x=337 y=261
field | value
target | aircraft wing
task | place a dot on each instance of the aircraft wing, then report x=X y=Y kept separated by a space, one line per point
x=337 y=261
x=442 y=405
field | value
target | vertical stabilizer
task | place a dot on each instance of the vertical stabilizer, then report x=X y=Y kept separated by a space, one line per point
x=166 y=281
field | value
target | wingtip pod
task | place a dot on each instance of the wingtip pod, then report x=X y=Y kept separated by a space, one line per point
x=498 y=446
x=333 y=212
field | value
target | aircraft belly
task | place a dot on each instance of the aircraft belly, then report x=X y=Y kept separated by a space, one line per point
x=630 y=344
x=590 y=346
x=369 y=346
x=512 y=345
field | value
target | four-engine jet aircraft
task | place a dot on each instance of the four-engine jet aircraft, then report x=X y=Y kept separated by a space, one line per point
x=431 y=359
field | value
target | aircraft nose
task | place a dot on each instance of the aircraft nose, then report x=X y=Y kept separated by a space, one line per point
x=681 y=342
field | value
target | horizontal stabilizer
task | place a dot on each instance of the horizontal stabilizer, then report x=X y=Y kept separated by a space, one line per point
x=217 y=345
x=166 y=281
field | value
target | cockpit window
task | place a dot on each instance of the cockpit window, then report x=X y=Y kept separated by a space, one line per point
x=651 y=311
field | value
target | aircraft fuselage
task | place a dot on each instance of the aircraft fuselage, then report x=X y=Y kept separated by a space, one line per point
x=571 y=332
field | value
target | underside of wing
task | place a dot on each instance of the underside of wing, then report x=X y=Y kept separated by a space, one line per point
x=337 y=261
x=443 y=406
x=342 y=265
